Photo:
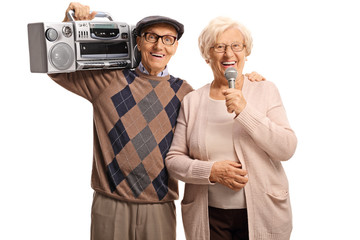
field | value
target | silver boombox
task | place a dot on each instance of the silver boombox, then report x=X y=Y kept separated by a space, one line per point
x=81 y=45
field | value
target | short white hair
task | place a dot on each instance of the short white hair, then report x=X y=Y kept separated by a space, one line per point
x=217 y=26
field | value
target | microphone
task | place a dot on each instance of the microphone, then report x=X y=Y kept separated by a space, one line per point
x=231 y=74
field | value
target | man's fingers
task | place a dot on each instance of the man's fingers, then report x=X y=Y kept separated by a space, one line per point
x=92 y=15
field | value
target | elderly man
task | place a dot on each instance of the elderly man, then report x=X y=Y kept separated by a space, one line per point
x=135 y=114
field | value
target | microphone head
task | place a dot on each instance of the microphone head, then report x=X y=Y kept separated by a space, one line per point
x=230 y=75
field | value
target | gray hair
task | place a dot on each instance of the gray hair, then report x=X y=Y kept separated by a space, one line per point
x=218 y=25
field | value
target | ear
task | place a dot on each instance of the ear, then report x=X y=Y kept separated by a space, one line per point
x=138 y=41
x=207 y=61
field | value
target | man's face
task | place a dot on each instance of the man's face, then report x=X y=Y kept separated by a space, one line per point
x=155 y=56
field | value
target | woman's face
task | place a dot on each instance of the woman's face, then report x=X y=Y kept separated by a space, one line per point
x=219 y=62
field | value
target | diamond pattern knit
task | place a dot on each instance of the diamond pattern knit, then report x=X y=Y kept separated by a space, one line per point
x=134 y=118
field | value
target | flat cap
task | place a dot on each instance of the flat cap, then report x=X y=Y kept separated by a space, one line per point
x=151 y=20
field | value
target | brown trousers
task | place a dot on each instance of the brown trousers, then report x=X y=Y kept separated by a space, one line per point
x=228 y=224
x=117 y=220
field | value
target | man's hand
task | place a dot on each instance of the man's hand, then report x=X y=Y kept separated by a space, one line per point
x=254 y=76
x=81 y=12
x=229 y=174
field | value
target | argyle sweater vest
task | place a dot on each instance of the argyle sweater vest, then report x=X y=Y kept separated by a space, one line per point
x=134 y=121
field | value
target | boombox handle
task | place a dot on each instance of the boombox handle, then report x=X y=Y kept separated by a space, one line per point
x=71 y=13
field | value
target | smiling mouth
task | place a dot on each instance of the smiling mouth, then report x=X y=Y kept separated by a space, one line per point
x=229 y=64
x=157 y=55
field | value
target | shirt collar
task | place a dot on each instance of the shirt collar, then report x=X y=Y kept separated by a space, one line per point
x=164 y=73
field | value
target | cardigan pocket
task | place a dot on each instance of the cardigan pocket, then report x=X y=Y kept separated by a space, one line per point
x=279 y=217
x=195 y=221
x=279 y=195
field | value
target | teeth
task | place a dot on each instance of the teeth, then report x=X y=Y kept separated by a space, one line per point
x=157 y=55
x=228 y=63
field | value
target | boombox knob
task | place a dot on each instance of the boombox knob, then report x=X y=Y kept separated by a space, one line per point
x=67 y=32
x=51 y=34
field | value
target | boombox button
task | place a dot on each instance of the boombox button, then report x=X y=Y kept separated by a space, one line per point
x=124 y=35
x=118 y=64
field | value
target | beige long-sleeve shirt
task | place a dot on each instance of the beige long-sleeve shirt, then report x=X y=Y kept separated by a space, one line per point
x=220 y=146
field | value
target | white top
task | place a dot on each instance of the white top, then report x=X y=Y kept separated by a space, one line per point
x=220 y=145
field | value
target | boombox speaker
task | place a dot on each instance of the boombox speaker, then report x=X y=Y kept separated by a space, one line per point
x=51 y=47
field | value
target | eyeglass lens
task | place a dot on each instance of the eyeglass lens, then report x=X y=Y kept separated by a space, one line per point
x=166 y=39
x=235 y=46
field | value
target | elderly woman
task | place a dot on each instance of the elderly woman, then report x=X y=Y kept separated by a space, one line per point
x=228 y=147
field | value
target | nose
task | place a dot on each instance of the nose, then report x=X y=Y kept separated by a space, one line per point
x=159 y=44
x=228 y=51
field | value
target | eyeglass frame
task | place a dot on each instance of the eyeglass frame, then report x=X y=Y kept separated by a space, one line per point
x=159 y=36
x=227 y=45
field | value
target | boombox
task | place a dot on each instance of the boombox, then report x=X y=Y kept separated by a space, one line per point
x=81 y=45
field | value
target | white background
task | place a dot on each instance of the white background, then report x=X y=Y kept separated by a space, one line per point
x=309 y=49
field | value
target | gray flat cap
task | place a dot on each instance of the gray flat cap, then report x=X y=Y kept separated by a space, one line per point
x=151 y=20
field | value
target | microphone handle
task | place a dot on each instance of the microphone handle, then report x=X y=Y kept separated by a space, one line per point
x=231 y=83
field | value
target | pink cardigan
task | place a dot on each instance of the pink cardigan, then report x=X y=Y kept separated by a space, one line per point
x=262 y=139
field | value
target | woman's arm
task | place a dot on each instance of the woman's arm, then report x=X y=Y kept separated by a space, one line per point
x=270 y=131
x=178 y=162
x=182 y=166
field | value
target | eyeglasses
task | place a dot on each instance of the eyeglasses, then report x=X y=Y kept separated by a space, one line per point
x=153 y=38
x=235 y=46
